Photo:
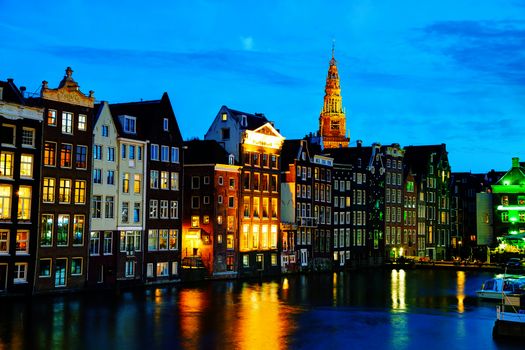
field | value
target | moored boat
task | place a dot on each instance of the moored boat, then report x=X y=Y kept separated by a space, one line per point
x=501 y=285
x=510 y=318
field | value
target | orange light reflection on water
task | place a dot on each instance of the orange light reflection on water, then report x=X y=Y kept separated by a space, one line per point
x=461 y=291
x=263 y=322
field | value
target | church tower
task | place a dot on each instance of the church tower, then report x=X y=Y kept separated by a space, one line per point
x=332 y=121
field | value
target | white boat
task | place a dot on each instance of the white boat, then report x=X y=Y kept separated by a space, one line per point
x=510 y=318
x=495 y=288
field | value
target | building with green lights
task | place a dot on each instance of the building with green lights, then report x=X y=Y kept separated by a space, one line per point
x=509 y=203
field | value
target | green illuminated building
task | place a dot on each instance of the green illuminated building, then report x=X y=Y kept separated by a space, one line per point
x=509 y=203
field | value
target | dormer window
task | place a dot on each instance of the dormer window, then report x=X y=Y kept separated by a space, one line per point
x=231 y=159
x=130 y=125
x=165 y=124
x=224 y=117
x=244 y=121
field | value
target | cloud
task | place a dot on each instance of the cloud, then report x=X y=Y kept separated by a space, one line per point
x=261 y=67
x=247 y=43
x=494 y=49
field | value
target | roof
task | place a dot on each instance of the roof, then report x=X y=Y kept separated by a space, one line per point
x=145 y=111
x=204 y=152
x=349 y=155
x=417 y=157
x=11 y=93
x=289 y=152
x=515 y=176
x=254 y=121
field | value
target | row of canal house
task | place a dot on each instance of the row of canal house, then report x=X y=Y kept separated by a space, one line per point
x=89 y=193
x=116 y=207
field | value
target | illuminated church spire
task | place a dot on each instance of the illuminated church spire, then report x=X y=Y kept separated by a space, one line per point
x=332 y=121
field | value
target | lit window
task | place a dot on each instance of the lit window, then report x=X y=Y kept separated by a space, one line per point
x=81 y=157
x=66 y=151
x=136 y=183
x=174 y=209
x=28 y=137
x=67 y=123
x=52 y=117
x=125 y=183
x=153 y=240
x=164 y=180
x=50 y=149
x=174 y=240
x=162 y=269
x=46 y=232
x=175 y=181
x=24 y=203
x=195 y=221
x=76 y=266
x=80 y=192
x=224 y=117
x=82 y=122
x=154 y=179
x=125 y=212
x=45 y=268
x=64 y=191
x=4 y=241
x=78 y=229
x=63 y=230
x=153 y=209
x=20 y=273
x=163 y=239
x=5 y=202
x=6 y=164
x=22 y=242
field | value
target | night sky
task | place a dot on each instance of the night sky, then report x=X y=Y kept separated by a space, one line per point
x=412 y=72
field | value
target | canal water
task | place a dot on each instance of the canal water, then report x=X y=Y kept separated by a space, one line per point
x=368 y=309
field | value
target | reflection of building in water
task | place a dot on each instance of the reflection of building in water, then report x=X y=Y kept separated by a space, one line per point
x=263 y=320
x=398 y=287
x=461 y=290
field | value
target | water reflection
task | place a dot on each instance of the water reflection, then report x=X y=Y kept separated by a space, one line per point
x=342 y=310
x=263 y=321
x=398 y=288
x=461 y=290
x=399 y=337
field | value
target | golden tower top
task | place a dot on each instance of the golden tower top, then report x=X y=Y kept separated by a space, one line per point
x=332 y=121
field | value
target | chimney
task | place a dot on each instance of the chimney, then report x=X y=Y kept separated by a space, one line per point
x=359 y=143
x=10 y=80
x=515 y=162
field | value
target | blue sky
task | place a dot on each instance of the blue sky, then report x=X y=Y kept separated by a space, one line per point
x=412 y=72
